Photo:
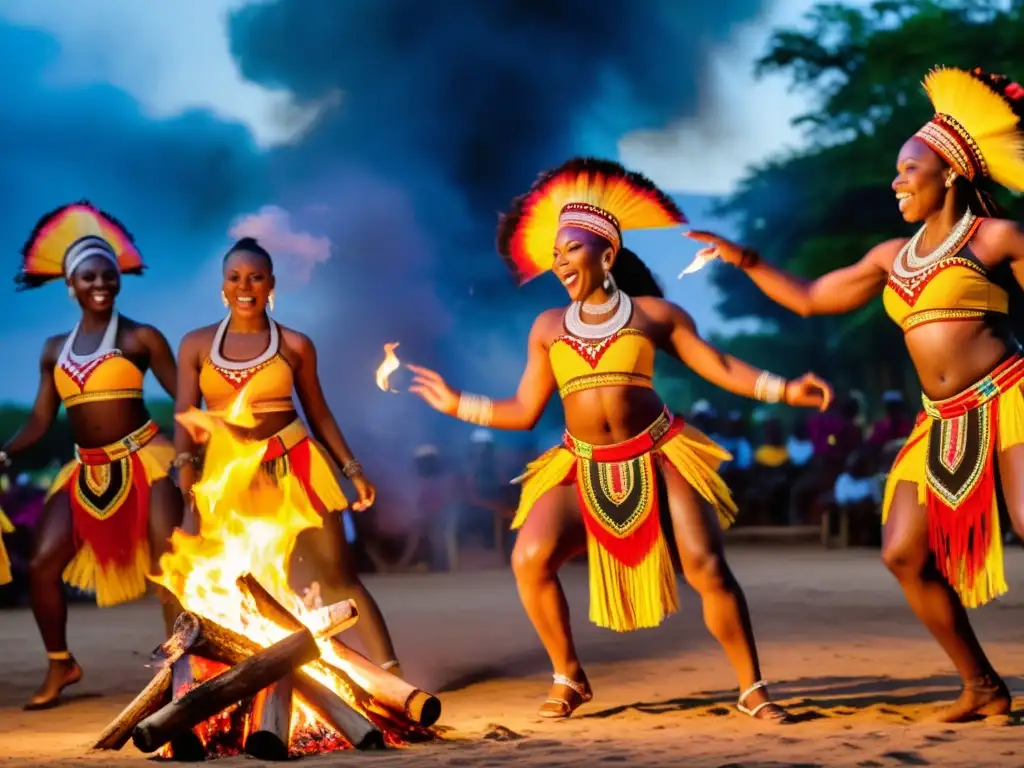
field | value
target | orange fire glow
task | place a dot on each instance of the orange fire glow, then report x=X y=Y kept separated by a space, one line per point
x=388 y=367
x=248 y=524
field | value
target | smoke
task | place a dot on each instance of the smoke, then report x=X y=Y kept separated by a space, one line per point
x=296 y=253
x=446 y=111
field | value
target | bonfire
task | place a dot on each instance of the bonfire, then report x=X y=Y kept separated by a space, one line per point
x=251 y=666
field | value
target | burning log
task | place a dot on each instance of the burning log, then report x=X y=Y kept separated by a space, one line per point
x=221 y=643
x=271 y=722
x=240 y=682
x=157 y=692
x=186 y=745
x=415 y=705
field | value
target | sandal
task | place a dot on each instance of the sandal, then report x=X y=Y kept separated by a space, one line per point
x=773 y=712
x=560 y=708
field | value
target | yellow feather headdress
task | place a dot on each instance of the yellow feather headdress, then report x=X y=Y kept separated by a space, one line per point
x=600 y=196
x=64 y=237
x=976 y=127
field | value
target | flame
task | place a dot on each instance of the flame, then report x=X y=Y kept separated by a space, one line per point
x=388 y=367
x=248 y=523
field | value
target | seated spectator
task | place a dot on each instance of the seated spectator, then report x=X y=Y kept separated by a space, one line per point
x=772 y=452
x=895 y=425
x=799 y=447
x=858 y=493
x=408 y=533
x=767 y=493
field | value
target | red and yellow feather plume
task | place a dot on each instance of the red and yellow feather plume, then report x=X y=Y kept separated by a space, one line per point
x=627 y=200
x=45 y=250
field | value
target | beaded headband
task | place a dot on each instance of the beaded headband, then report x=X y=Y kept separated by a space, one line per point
x=599 y=196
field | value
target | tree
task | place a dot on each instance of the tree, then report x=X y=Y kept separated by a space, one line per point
x=821 y=208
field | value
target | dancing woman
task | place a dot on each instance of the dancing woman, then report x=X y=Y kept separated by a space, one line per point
x=249 y=349
x=111 y=510
x=624 y=454
x=947 y=287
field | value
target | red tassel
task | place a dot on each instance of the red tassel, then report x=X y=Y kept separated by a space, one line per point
x=960 y=538
x=114 y=539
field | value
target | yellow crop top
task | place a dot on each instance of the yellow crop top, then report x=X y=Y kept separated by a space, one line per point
x=954 y=288
x=625 y=358
x=268 y=378
x=105 y=374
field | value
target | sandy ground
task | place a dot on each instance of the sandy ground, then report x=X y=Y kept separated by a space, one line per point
x=833 y=631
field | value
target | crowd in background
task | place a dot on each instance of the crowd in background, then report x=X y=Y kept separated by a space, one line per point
x=462 y=498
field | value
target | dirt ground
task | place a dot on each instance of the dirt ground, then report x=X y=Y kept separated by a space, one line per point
x=833 y=630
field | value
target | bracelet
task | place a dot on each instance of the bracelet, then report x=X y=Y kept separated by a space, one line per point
x=183 y=458
x=769 y=388
x=749 y=258
x=352 y=468
x=475 y=409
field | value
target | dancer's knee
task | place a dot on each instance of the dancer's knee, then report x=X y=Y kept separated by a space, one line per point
x=45 y=567
x=904 y=562
x=706 y=571
x=533 y=560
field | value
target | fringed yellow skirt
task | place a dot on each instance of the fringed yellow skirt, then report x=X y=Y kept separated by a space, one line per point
x=293 y=452
x=632 y=582
x=5 y=562
x=108 y=491
x=951 y=457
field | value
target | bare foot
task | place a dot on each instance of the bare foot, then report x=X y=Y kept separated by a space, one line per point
x=756 y=703
x=567 y=695
x=62 y=673
x=981 y=697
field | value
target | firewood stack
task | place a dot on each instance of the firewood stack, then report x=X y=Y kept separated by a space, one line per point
x=219 y=693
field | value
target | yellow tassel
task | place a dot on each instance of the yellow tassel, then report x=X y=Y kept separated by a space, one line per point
x=990 y=582
x=626 y=598
x=6 y=577
x=111 y=585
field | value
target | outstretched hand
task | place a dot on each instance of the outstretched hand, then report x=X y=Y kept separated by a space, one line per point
x=717 y=247
x=809 y=391
x=429 y=385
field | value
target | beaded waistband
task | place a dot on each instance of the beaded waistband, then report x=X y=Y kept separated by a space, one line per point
x=939 y=315
x=102 y=396
x=595 y=380
x=1007 y=374
x=643 y=443
x=118 y=450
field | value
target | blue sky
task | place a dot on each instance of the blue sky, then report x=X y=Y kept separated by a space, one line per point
x=142 y=107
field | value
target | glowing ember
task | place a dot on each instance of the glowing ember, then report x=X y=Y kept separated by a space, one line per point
x=388 y=367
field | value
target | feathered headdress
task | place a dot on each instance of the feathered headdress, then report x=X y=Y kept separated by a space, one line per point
x=975 y=127
x=597 y=195
x=69 y=235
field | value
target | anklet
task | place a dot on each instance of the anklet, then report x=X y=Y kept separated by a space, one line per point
x=58 y=655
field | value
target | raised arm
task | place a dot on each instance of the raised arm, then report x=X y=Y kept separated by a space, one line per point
x=834 y=293
x=161 y=359
x=519 y=412
x=321 y=421
x=45 y=408
x=187 y=396
x=732 y=374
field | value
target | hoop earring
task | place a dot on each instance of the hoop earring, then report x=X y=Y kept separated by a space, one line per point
x=609 y=282
x=270 y=302
x=224 y=298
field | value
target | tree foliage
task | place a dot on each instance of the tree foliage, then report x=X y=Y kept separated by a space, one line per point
x=824 y=206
